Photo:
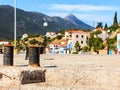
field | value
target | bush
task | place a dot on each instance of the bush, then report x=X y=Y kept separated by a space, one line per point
x=59 y=37
x=33 y=41
x=85 y=49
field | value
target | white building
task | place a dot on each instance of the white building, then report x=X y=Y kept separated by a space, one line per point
x=4 y=42
x=50 y=34
x=24 y=35
x=77 y=36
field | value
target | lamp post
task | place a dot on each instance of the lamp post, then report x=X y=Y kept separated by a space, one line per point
x=14 y=23
x=15 y=40
x=45 y=24
x=108 y=32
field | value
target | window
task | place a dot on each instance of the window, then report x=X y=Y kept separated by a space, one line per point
x=81 y=42
x=82 y=36
x=76 y=36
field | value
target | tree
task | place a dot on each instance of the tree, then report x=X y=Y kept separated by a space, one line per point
x=98 y=44
x=99 y=25
x=85 y=49
x=77 y=46
x=19 y=45
x=59 y=37
x=115 y=22
x=62 y=31
x=112 y=42
x=97 y=32
x=106 y=27
x=95 y=43
x=33 y=41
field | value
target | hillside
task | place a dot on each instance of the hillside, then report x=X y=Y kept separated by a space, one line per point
x=32 y=23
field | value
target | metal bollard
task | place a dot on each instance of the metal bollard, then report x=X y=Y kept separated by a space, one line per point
x=8 y=55
x=34 y=56
x=41 y=50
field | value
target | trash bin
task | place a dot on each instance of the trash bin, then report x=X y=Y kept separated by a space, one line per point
x=8 y=55
x=34 y=55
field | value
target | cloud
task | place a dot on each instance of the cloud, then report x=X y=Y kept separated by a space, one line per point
x=81 y=7
x=94 y=17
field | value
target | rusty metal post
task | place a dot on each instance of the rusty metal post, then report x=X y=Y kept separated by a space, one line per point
x=34 y=56
x=8 y=55
x=41 y=50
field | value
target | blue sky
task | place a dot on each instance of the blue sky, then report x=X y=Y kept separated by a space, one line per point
x=89 y=11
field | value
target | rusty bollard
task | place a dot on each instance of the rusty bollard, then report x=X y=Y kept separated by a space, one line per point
x=34 y=55
x=8 y=55
x=41 y=50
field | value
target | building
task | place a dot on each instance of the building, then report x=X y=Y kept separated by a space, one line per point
x=4 y=42
x=24 y=35
x=50 y=34
x=58 y=47
x=103 y=34
x=74 y=36
x=67 y=43
x=1 y=46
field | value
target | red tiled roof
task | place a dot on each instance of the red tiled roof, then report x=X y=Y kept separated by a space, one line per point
x=58 y=43
x=99 y=28
x=63 y=45
x=76 y=31
x=51 y=32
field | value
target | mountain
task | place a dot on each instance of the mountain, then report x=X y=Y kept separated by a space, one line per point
x=78 y=23
x=32 y=23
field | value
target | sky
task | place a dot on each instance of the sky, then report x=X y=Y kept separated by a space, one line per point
x=89 y=11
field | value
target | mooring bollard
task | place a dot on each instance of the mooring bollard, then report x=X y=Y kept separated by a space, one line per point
x=8 y=55
x=41 y=50
x=34 y=55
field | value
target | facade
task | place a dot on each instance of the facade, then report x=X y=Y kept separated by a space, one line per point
x=2 y=48
x=4 y=42
x=25 y=35
x=66 y=45
x=118 y=42
x=77 y=36
x=50 y=34
x=58 y=47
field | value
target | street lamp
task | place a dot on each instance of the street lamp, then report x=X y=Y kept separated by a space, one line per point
x=108 y=32
x=45 y=24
